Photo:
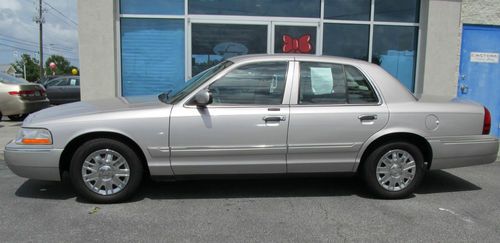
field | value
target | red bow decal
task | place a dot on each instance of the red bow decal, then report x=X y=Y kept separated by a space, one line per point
x=300 y=45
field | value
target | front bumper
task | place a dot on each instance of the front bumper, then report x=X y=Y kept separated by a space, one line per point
x=35 y=163
x=18 y=106
x=452 y=152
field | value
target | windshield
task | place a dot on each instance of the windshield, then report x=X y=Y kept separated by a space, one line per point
x=7 y=79
x=172 y=96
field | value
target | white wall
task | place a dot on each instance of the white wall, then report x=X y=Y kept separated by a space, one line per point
x=481 y=12
x=440 y=48
x=96 y=29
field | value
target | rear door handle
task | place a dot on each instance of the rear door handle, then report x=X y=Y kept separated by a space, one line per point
x=367 y=117
x=274 y=118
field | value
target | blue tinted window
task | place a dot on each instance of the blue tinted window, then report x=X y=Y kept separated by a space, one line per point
x=289 y=8
x=212 y=43
x=152 y=52
x=395 y=50
x=397 y=10
x=346 y=40
x=174 y=7
x=348 y=9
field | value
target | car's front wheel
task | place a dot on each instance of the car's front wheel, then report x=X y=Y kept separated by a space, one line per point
x=394 y=170
x=105 y=171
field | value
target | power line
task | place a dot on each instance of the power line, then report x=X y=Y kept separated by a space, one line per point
x=59 y=12
x=16 y=47
x=35 y=45
x=34 y=51
x=62 y=19
x=32 y=42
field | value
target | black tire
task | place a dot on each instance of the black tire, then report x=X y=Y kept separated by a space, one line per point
x=369 y=169
x=133 y=160
x=19 y=117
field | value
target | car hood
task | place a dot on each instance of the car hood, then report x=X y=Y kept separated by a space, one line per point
x=87 y=108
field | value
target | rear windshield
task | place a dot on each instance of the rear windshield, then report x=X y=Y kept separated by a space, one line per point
x=7 y=79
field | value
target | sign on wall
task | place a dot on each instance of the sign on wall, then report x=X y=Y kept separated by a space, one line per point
x=485 y=57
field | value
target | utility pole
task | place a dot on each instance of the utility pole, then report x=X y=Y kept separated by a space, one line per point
x=40 y=20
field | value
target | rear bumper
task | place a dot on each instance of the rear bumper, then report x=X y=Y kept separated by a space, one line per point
x=452 y=152
x=33 y=163
x=18 y=106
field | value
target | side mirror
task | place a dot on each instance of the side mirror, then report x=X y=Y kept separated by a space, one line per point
x=203 y=98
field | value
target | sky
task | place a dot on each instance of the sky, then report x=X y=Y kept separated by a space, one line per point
x=19 y=33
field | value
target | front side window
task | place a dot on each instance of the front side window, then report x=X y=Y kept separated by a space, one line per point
x=58 y=82
x=328 y=83
x=252 y=84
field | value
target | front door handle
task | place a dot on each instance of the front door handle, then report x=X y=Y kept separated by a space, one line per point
x=274 y=118
x=367 y=117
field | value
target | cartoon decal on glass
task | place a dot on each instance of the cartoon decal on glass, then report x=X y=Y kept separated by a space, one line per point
x=299 y=45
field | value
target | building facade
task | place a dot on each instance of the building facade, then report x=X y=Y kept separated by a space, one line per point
x=443 y=48
x=133 y=47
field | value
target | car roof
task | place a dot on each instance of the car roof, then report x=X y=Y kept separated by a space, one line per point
x=298 y=57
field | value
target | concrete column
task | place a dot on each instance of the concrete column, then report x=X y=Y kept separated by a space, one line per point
x=440 y=48
x=97 y=30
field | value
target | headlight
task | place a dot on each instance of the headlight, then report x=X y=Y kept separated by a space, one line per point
x=34 y=136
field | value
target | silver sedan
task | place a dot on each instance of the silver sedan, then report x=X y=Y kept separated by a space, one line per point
x=263 y=114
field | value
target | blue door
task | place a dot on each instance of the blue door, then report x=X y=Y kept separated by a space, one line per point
x=479 y=78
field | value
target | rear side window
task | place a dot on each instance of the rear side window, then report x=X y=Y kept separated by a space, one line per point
x=322 y=83
x=328 y=83
x=359 y=89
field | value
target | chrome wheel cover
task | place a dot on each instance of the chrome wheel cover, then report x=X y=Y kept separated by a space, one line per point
x=105 y=172
x=396 y=170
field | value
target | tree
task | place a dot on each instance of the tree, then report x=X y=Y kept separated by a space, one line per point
x=32 y=67
x=63 y=66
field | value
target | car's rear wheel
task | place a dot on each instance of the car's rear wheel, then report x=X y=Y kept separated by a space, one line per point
x=19 y=117
x=394 y=170
x=105 y=171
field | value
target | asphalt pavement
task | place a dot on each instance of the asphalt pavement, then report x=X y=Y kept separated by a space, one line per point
x=451 y=205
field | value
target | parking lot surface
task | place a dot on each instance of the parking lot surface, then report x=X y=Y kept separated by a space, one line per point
x=451 y=205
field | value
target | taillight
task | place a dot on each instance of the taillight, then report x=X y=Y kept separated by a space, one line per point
x=23 y=93
x=487 y=121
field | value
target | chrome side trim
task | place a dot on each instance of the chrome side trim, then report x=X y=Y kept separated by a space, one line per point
x=463 y=139
x=229 y=150
x=227 y=147
x=159 y=151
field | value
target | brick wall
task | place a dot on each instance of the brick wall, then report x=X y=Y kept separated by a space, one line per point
x=481 y=12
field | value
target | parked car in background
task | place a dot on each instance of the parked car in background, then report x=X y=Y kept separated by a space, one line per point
x=63 y=89
x=19 y=97
x=261 y=114
x=46 y=78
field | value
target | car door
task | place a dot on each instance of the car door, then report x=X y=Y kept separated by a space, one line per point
x=55 y=90
x=334 y=111
x=243 y=131
x=72 y=93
